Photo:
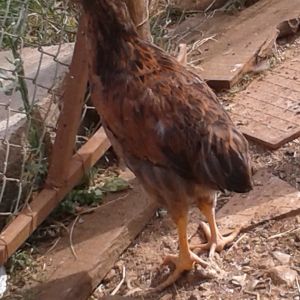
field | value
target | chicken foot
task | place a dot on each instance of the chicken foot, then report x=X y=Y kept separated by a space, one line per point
x=216 y=242
x=185 y=260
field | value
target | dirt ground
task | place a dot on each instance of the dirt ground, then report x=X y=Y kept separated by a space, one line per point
x=246 y=270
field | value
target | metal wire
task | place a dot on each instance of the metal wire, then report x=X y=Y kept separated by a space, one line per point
x=36 y=46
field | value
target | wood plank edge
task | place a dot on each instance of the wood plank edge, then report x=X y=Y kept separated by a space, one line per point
x=275 y=145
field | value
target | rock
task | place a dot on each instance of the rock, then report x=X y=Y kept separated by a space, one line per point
x=199 y=275
x=252 y=284
x=283 y=258
x=239 y=280
x=283 y=275
x=194 y=297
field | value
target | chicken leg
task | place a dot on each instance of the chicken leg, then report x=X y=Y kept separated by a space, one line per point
x=216 y=242
x=186 y=258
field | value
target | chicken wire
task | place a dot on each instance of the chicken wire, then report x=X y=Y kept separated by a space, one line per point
x=36 y=46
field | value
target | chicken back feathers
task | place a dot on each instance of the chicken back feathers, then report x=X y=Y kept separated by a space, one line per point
x=156 y=110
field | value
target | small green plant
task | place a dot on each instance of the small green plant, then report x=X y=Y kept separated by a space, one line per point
x=115 y=184
x=83 y=195
x=20 y=260
x=78 y=197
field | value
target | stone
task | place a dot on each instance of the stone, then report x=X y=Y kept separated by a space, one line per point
x=283 y=258
x=239 y=280
x=283 y=275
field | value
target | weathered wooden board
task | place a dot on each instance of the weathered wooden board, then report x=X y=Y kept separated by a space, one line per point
x=239 y=39
x=98 y=241
x=268 y=111
x=270 y=198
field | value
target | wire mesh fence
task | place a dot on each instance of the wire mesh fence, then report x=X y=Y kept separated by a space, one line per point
x=36 y=46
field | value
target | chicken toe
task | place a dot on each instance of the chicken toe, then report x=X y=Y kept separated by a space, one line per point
x=216 y=242
x=182 y=263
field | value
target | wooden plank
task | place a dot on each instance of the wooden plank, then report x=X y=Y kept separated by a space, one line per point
x=271 y=198
x=98 y=241
x=238 y=39
x=69 y=118
x=41 y=206
x=268 y=111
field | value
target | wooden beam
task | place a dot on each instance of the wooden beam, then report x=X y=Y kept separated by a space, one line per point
x=43 y=204
x=69 y=119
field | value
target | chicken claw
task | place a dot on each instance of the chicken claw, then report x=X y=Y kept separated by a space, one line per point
x=182 y=264
x=217 y=242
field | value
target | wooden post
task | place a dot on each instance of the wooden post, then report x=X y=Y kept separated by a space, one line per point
x=139 y=12
x=69 y=119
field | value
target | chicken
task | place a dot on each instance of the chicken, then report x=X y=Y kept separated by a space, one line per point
x=167 y=125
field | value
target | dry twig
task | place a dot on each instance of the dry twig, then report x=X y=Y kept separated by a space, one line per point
x=117 y=288
x=201 y=42
x=87 y=211
x=236 y=242
x=71 y=237
x=147 y=16
x=283 y=233
x=53 y=246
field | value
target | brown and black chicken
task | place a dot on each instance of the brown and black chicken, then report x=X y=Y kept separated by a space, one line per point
x=167 y=125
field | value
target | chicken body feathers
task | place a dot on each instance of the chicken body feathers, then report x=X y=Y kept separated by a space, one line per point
x=161 y=113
